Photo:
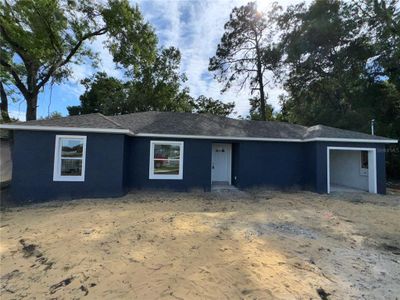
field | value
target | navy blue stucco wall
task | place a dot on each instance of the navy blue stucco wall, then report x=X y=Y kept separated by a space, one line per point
x=33 y=161
x=117 y=163
x=196 y=165
x=273 y=164
x=298 y=165
x=310 y=166
x=235 y=163
x=253 y=164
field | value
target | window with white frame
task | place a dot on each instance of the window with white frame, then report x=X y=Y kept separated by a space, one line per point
x=364 y=163
x=69 y=158
x=166 y=160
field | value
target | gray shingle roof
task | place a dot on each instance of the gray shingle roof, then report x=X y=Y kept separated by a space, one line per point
x=206 y=125
x=95 y=120
x=175 y=123
x=322 y=131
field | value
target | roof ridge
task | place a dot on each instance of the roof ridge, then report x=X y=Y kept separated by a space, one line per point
x=208 y=114
x=112 y=121
x=221 y=117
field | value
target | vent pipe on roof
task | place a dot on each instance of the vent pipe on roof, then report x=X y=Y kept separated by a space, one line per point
x=373 y=126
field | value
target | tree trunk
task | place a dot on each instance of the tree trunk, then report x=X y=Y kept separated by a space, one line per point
x=260 y=78
x=261 y=84
x=4 y=104
x=31 y=107
x=262 y=97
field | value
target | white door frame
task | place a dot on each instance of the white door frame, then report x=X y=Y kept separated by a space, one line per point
x=372 y=171
x=229 y=152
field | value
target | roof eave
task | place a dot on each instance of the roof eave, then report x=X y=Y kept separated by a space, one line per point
x=130 y=133
x=378 y=141
x=353 y=140
x=66 y=129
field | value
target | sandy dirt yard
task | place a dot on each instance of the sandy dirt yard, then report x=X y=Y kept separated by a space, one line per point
x=226 y=245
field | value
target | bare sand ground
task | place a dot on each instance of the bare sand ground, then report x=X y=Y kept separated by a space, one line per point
x=157 y=245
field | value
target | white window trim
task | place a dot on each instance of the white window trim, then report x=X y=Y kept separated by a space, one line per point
x=57 y=159
x=151 y=164
x=372 y=168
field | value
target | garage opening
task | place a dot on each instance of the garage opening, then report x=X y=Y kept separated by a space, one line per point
x=351 y=169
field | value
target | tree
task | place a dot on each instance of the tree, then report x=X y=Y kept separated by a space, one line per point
x=41 y=39
x=246 y=52
x=382 y=20
x=341 y=74
x=207 y=105
x=157 y=87
x=53 y=115
x=7 y=94
x=325 y=61
x=255 y=110
x=103 y=94
x=4 y=104
x=342 y=66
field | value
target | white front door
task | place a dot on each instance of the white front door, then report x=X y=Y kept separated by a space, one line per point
x=221 y=163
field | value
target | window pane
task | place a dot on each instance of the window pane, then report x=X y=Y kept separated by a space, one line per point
x=166 y=151
x=364 y=159
x=71 y=167
x=71 y=148
x=166 y=167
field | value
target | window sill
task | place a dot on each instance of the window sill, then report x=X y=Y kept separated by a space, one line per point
x=165 y=177
x=69 y=179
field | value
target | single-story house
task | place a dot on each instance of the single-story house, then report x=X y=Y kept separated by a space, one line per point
x=104 y=156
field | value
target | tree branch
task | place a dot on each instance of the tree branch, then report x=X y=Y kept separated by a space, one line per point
x=69 y=56
x=234 y=61
x=248 y=70
x=22 y=52
x=14 y=74
x=4 y=104
x=49 y=30
x=244 y=82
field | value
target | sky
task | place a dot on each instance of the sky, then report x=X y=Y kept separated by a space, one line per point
x=193 y=26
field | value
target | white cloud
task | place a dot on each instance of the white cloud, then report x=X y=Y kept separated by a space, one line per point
x=71 y=89
x=106 y=64
x=20 y=115
x=106 y=59
x=195 y=27
x=80 y=71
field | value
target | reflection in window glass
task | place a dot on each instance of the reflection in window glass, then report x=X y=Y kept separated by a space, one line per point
x=166 y=167
x=71 y=148
x=71 y=167
x=166 y=151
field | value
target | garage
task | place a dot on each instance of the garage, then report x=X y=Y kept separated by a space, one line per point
x=351 y=169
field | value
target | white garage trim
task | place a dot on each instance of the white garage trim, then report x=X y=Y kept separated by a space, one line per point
x=372 y=172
